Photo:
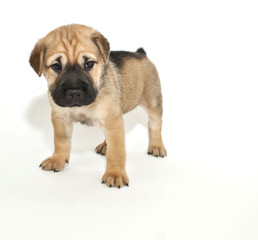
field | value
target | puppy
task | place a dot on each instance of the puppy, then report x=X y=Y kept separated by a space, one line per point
x=89 y=84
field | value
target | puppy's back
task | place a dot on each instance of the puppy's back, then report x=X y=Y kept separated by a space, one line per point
x=135 y=73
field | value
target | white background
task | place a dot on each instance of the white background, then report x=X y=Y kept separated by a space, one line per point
x=207 y=188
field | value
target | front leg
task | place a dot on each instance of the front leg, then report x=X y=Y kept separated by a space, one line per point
x=62 y=141
x=115 y=174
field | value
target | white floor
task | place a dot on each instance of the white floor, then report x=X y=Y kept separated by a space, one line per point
x=203 y=193
x=207 y=186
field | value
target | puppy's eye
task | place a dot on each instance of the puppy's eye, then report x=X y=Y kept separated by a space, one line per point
x=89 y=65
x=57 y=67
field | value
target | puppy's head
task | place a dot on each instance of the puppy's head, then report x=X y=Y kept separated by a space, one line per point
x=73 y=59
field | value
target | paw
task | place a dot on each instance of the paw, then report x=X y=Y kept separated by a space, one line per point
x=157 y=151
x=115 y=178
x=101 y=148
x=53 y=164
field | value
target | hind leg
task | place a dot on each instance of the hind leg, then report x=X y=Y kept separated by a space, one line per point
x=156 y=146
x=152 y=103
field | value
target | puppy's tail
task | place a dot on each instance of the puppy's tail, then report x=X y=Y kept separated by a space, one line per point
x=141 y=51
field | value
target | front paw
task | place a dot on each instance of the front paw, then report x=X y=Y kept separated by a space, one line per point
x=115 y=177
x=53 y=164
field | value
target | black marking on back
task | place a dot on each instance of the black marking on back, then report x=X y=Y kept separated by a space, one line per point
x=120 y=57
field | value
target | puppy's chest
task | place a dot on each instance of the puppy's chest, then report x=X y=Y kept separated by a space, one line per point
x=84 y=117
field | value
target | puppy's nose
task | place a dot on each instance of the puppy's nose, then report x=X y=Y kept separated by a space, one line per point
x=74 y=94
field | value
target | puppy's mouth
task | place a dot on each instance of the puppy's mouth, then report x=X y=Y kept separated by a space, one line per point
x=74 y=96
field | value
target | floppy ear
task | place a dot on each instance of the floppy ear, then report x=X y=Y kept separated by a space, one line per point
x=103 y=45
x=36 y=58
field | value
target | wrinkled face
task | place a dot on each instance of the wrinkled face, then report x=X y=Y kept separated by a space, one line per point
x=73 y=75
x=72 y=59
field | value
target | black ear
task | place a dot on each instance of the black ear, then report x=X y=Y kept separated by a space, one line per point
x=37 y=57
x=103 y=45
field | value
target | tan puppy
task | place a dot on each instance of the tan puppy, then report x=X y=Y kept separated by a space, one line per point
x=89 y=84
